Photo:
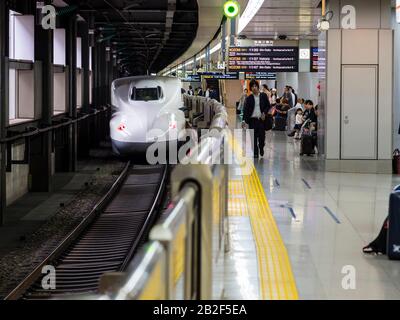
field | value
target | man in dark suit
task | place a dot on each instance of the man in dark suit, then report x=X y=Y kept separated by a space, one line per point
x=255 y=110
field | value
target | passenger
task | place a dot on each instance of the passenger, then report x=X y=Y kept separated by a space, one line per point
x=256 y=109
x=183 y=91
x=274 y=96
x=299 y=104
x=200 y=91
x=242 y=100
x=190 y=91
x=214 y=94
x=294 y=96
x=288 y=95
x=283 y=108
x=292 y=117
x=207 y=93
x=299 y=123
x=281 y=115
x=316 y=111
x=309 y=113
x=267 y=92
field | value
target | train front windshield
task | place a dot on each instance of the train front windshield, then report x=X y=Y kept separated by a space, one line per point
x=146 y=94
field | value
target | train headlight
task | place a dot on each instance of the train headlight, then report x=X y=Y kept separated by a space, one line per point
x=121 y=127
x=173 y=124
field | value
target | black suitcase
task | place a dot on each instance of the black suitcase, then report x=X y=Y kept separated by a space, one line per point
x=307 y=145
x=393 y=237
x=280 y=124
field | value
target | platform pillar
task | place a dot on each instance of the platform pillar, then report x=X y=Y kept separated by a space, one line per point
x=41 y=147
x=3 y=103
x=355 y=123
x=71 y=34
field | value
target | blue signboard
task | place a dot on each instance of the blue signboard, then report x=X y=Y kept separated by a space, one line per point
x=220 y=75
x=260 y=75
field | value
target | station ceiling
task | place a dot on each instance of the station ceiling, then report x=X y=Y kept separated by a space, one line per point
x=297 y=19
x=148 y=34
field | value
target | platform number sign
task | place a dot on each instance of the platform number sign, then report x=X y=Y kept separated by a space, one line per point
x=231 y=8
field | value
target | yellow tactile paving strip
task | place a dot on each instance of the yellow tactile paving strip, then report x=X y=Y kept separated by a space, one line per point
x=237 y=205
x=275 y=273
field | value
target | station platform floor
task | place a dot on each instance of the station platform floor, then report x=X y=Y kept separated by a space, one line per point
x=297 y=231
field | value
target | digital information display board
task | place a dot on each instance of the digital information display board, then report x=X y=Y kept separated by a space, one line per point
x=266 y=59
x=260 y=75
x=192 y=78
x=220 y=75
x=314 y=59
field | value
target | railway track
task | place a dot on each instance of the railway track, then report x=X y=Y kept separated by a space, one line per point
x=106 y=240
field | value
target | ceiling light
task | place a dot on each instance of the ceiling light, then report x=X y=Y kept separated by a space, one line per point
x=251 y=10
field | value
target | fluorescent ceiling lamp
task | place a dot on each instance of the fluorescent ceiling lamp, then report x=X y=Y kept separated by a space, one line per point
x=251 y=10
x=213 y=50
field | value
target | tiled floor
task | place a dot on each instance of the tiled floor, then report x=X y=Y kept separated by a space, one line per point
x=325 y=219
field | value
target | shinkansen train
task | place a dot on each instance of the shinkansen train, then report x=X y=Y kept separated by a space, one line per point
x=146 y=110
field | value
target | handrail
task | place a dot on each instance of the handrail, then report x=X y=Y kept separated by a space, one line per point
x=140 y=272
x=35 y=131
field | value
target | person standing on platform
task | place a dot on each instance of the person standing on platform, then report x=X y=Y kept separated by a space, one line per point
x=294 y=97
x=274 y=96
x=207 y=93
x=200 y=91
x=242 y=100
x=190 y=91
x=288 y=95
x=255 y=111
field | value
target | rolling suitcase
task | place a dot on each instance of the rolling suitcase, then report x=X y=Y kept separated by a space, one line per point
x=307 y=144
x=393 y=236
x=280 y=124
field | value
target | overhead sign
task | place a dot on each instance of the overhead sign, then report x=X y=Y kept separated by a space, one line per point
x=219 y=75
x=264 y=59
x=314 y=59
x=192 y=78
x=260 y=75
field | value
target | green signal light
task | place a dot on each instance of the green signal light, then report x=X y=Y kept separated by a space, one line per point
x=231 y=8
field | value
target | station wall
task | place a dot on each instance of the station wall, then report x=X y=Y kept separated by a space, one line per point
x=396 y=85
x=18 y=178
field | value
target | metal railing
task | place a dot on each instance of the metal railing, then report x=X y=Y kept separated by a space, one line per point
x=187 y=244
x=55 y=129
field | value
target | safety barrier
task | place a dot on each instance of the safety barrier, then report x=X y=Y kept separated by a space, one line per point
x=98 y=118
x=186 y=246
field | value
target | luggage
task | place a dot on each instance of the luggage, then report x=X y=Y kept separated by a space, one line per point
x=378 y=246
x=307 y=144
x=396 y=162
x=280 y=124
x=314 y=135
x=268 y=123
x=393 y=233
